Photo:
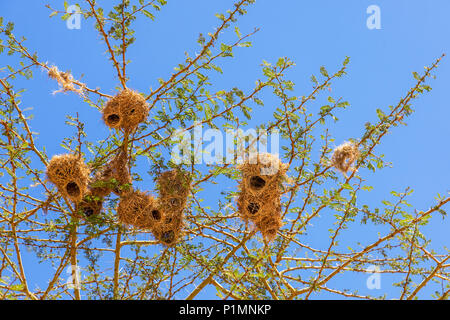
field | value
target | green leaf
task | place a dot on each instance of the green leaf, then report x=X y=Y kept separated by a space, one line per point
x=245 y=44
x=17 y=287
x=238 y=32
x=324 y=71
x=65 y=16
x=346 y=61
x=347 y=186
x=148 y=14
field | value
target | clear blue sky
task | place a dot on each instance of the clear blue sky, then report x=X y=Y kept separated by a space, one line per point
x=312 y=33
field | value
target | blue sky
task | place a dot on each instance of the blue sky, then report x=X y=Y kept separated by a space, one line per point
x=312 y=33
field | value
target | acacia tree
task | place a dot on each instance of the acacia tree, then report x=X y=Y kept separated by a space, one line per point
x=219 y=251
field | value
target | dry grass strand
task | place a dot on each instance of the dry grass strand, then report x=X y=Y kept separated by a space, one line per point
x=65 y=81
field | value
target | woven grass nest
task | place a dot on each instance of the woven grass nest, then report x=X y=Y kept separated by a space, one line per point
x=262 y=174
x=143 y=211
x=269 y=224
x=113 y=177
x=253 y=207
x=138 y=209
x=344 y=156
x=260 y=192
x=173 y=190
x=70 y=175
x=174 y=187
x=170 y=230
x=90 y=206
x=125 y=110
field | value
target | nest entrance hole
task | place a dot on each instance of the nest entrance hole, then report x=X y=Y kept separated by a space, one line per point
x=113 y=119
x=168 y=237
x=257 y=183
x=72 y=189
x=253 y=208
x=88 y=211
x=156 y=215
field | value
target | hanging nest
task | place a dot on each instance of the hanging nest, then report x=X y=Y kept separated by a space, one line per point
x=254 y=208
x=70 y=175
x=135 y=209
x=113 y=177
x=169 y=232
x=121 y=174
x=344 y=156
x=151 y=216
x=90 y=206
x=262 y=174
x=125 y=110
x=261 y=185
x=250 y=207
x=260 y=192
x=269 y=224
x=102 y=184
x=173 y=187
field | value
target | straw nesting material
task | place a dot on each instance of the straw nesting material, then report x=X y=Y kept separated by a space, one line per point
x=102 y=184
x=121 y=174
x=269 y=224
x=254 y=208
x=262 y=174
x=125 y=110
x=260 y=192
x=90 y=206
x=113 y=177
x=65 y=81
x=344 y=156
x=170 y=231
x=70 y=175
x=132 y=206
x=173 y=190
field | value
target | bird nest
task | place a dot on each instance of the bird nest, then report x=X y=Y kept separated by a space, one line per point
x=150 y=217
x=138 y=209
x=125 y=110
x=173 y=187
x=113 y=177
x=70 y=175
x=102 y=183
x=252 y=207
x=170 y=230
x=269 y=224
x=91 y=205
x=262 y=173
x=265 y=215
x=65 y=81
x=344 y=156
x=260 y=192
